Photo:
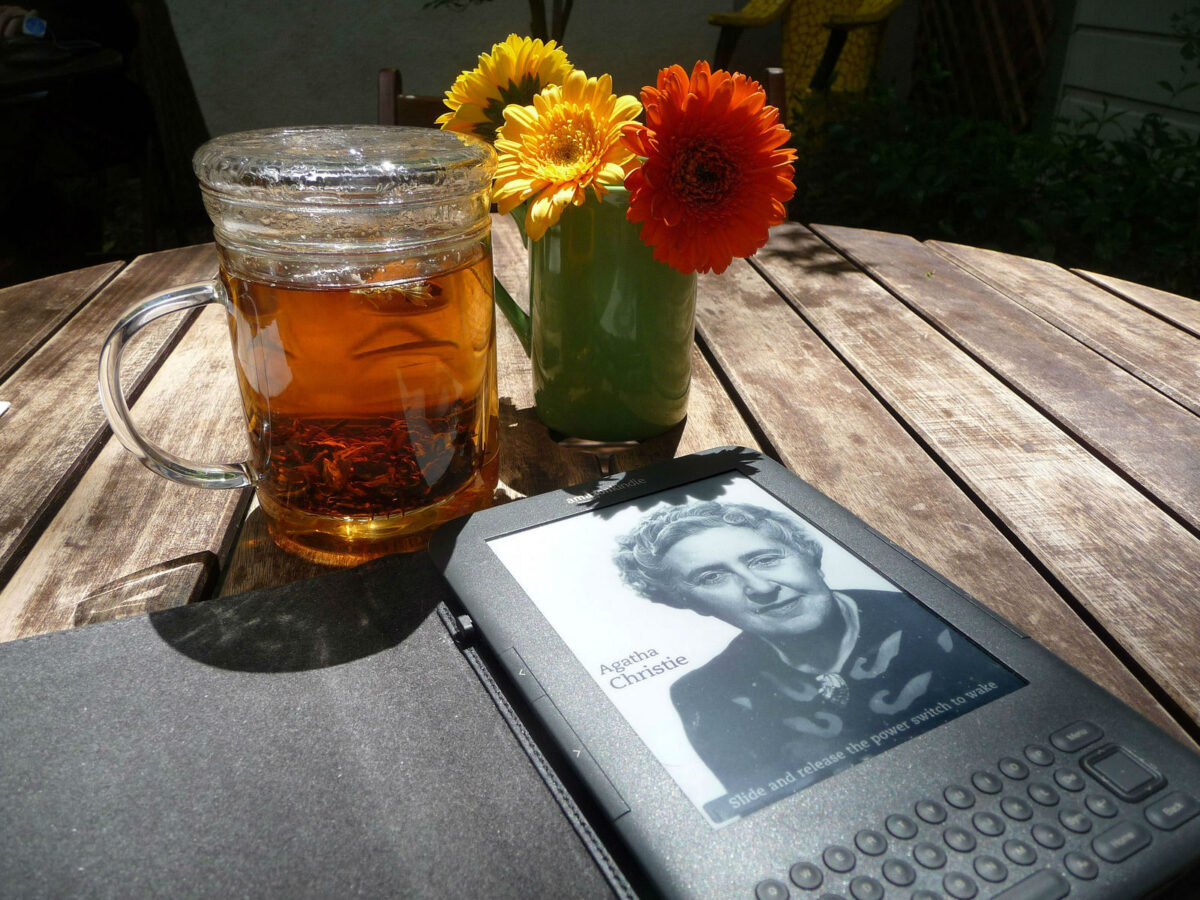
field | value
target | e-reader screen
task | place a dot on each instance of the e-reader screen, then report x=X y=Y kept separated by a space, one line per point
x=751 y=652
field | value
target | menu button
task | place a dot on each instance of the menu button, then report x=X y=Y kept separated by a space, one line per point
x=1076 y=737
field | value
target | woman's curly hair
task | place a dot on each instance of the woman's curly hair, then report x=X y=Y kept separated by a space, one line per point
x=640 y=552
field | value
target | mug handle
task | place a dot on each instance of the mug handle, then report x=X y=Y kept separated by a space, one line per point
x=153 y=457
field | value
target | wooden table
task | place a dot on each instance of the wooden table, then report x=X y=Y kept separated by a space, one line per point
x=1032 y=433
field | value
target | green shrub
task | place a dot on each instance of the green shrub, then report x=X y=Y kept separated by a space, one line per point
x=1115 y=196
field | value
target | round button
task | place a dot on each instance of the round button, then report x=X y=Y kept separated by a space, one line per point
x=1042 y=793
x=1081 y=866
x=1039 y=755
x=901 y=827
x=898 y=872
x=1074 y=819
x=806 y=875
x=931 y=811
x=864 y=888
x=959 y=839
x=959 y=886
x=987 y=783
x=990 y=869
x=871 y=842
x=1016 y=808
x=1013 y=768
x=770 y=889
x=1101 y=805
x=839 y=858
x=1048 y=836
x=1020 y=852
x=1069 y=780
x=929 y=855
x=958 y=796
x=988 y=823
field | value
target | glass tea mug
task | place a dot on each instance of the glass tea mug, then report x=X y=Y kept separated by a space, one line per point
x=356 y=272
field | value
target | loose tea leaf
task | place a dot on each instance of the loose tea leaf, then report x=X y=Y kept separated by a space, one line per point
x=367 y=467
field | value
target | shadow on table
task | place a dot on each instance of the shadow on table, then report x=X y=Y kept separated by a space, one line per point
x=317 y=623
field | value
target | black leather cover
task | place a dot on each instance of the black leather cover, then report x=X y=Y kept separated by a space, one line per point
x=318 y=739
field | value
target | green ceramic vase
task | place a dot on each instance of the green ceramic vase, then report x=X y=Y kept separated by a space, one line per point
x=612 y=329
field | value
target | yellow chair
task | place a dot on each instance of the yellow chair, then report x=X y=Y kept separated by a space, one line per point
x=828 y=45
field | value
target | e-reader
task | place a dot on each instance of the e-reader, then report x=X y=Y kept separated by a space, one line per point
x=764 y=698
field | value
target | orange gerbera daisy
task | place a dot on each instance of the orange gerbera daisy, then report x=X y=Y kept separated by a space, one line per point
x=716 y=175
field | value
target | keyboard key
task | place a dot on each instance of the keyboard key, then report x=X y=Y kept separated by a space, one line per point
x=864 y=888
x=1013 y=768
x=1020 y=852
x=929 y=855
x=1016 y=808
x=770 y=889
x=898 y=872
x=839 y=858
x=1121 y=772
x=958 y=796
x=1045 y=884
x=1081 y=866
x=1101 y=805
x=806 y=875
x=987 y=783
x=988 y=823
x=1069 y=780
x=1048 y=836
x=959 y=839
x=871 y=842
x=1074 y=819
x=931 y=811
x=1039 y=755
x=1121 y=841
x=1076 y=737
x=990 y=869
x=1042 y=794
x=901 y=827
x=959 y=886
x=1172 y=810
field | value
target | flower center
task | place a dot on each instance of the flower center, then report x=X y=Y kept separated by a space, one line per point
x=702 y=174
x=568 y=146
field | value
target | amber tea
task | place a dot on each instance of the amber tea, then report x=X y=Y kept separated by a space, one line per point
x=371 y=410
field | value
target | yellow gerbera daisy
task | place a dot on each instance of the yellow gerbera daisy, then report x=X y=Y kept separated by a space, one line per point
x=566 y=142
x=514 y=72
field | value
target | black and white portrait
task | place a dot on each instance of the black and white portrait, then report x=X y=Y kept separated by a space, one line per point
x=812 y=668
x=752 y=653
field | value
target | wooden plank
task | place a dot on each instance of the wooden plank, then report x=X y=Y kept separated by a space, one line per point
x=1130 y=565
x=1154 y=440
x=56 y=426
x=1155 y=351
x=829 y=429
x=1181 y=311
x=30 y=313
x=1145 y=15
x=256 y=562
x=1128 y=66
x=172 y=538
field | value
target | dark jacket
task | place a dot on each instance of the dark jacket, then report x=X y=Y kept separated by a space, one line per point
x=751 y=718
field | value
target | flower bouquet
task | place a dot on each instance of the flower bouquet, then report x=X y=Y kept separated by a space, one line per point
x=622 y=203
